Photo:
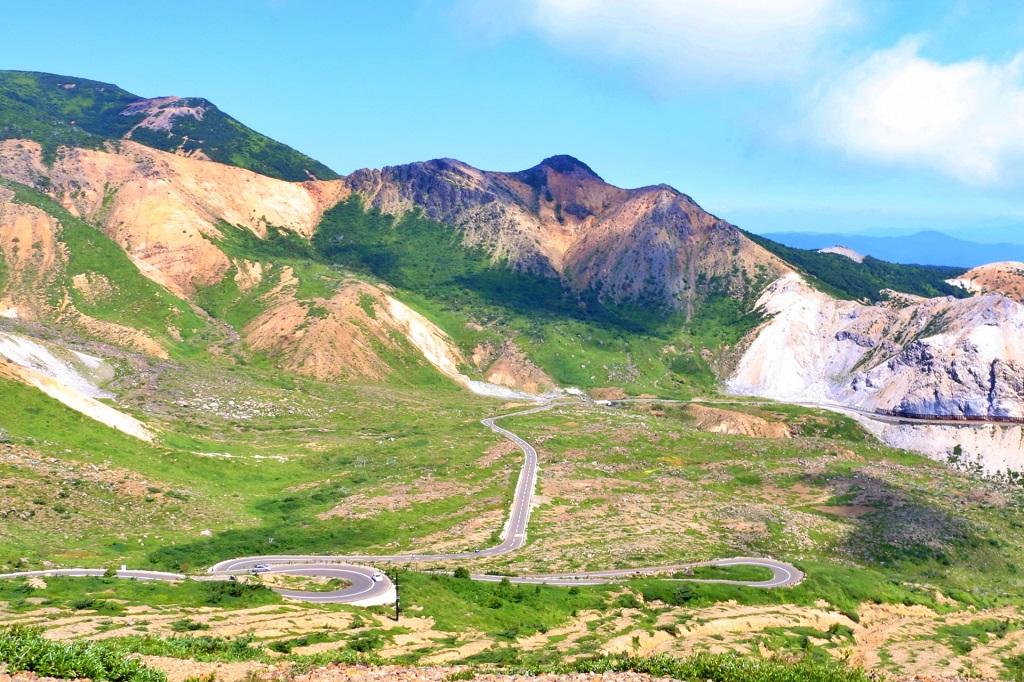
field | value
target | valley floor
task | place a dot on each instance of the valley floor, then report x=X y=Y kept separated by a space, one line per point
x=908 y=561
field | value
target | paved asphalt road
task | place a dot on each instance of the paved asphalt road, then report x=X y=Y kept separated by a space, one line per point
x=783 y=575
x=363 y=587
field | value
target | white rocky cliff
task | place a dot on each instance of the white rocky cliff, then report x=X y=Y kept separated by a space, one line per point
x=940 y=356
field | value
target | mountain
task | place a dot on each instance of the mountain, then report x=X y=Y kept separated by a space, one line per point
x=529 y=279
x=650 y=246
x=72 y=112
x=922 y=248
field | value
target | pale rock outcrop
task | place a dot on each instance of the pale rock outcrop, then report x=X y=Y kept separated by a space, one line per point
x=506 y=364
x=939 y=356
x=67 y=376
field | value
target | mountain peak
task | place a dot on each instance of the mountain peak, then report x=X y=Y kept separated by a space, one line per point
x=569 y=165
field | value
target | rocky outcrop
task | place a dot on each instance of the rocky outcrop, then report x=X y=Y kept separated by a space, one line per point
x=843 y=251
x=507 y=365
x=941 y=356
x=1006 y=278
x=559 y=218
x=67 y=376
x=360 y=333
x=733 y=423
x=33 y=258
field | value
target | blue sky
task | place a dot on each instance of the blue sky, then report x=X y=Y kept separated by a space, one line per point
x=793 y=114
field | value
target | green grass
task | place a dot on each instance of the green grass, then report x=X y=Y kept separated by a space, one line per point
x=739 y=573
x=356 y=437
x=910 y=525
x=845 y=589
x=501 y=609
x=94 y=594
x=963 y=639
x=192 y=647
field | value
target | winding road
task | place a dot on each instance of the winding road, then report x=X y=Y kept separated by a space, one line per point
x=364 y=590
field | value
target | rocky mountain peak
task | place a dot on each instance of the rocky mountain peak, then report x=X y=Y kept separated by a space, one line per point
x=569 y=165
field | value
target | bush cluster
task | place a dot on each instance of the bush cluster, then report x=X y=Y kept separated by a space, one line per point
x=24 y=649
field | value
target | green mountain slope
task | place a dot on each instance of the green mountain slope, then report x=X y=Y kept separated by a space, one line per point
x=64 y=111
x=842 y=277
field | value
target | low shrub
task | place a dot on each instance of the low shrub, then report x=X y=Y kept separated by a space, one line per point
x=25 y=649
x=714 y=668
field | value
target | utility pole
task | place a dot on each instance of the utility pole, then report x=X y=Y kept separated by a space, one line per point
x=398 y=598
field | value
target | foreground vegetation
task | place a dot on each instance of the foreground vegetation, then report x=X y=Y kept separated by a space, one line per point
x=26 y=650
x=718 y=668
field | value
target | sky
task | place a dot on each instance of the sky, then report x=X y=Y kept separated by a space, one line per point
x=789 y=115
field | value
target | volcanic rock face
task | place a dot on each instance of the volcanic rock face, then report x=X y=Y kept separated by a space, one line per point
x=652 y=244
x=939 y=356
x=164 y=209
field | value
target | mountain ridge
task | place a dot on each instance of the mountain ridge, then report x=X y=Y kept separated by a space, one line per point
x=57 y=110
x=925 y=247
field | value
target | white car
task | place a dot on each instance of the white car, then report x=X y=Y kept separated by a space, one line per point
x=377 y=577
x=260 y=568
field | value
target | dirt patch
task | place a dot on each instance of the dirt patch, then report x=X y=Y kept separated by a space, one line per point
x=93 y=286
x=496 y=453
x=362 y=506
x=608 y=393
x=715 y=420
x=851 y=512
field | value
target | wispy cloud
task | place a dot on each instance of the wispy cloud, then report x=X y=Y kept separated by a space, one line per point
x=678 y=42
x=963 y=119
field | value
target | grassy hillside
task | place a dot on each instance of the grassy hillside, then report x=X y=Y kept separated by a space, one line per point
x=877 y=530
x=843 y=277
x=61 y=110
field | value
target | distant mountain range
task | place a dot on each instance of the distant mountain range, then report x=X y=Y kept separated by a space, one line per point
x=921 y=248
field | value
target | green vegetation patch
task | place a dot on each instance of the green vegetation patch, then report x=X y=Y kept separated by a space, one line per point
x=845 y=278
x=25 y=649
x=737 y=573
x=503 y=609
x=193 y=647
x=96 y=594
x=963 y=639
x=714 y=668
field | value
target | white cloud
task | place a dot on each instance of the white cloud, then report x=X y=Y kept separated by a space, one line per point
x=964 y=119
x=678 y=41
